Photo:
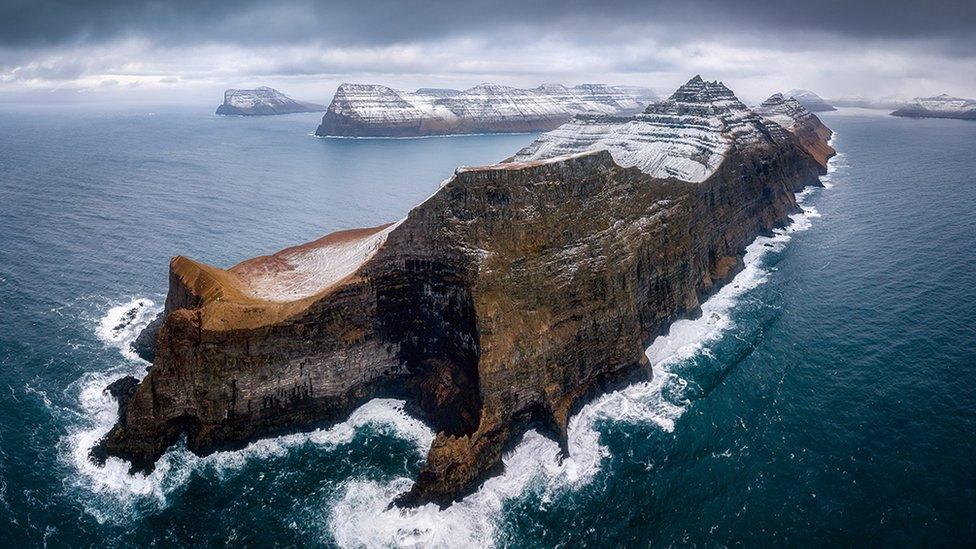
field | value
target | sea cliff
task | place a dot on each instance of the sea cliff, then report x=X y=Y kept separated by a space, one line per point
x=501 y=303
x=370 y=110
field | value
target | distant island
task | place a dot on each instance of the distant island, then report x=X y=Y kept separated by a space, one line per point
x=810 y=100
x=262 y=101
x=940 y=106
x=372 y=110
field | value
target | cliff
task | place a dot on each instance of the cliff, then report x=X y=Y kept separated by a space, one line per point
x=262 y=101
x=369 y=110
x=501 y=303
x=810 y=100
x=940 y=106
x=813 y=135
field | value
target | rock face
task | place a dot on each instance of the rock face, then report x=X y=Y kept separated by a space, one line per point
x=814 y=136
x=369 y=110
x=940 y=106
x=501 y=303
x=261 y=102
x=686 y=137
x=810 y=100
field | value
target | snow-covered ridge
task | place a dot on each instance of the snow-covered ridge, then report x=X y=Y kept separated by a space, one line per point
x=788 y=113
x=810 y=100
x=262 y=101
x=685 y=137
x=365 y=110
x=939 y=106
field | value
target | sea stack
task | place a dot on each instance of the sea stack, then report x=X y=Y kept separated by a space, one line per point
x=503 y=302
x=371 y=110
x=940 y=106
x=262 y=101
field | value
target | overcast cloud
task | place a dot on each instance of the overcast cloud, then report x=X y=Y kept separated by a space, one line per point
x=186 y=50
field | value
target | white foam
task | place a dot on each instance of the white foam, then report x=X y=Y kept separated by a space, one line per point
x=110 y=493
x=123 y=323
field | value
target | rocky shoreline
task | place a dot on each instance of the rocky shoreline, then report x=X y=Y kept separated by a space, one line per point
x=503 y=302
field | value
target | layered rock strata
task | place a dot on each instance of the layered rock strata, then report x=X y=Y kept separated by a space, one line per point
x=262 y=101
x=814 y=136
x=369 y=110
x=940 y=106
x=499 y=304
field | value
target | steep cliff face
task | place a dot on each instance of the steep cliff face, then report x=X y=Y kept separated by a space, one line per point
x=369 y=110
x=813 y=135
x=262 y=101
x=502 y=302
x=940 y=106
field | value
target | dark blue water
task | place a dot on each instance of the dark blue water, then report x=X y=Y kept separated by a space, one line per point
x=827 y=396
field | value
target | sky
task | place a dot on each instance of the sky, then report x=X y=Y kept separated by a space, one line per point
x=185 y=51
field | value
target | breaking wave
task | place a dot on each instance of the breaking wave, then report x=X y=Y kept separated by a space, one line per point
x=123 y=323
x=110 y=494
x=362 y=516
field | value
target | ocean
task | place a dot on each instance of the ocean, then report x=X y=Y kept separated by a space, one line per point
x=827 y=395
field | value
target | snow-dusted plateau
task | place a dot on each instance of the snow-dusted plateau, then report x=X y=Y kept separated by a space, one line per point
x=371 y=110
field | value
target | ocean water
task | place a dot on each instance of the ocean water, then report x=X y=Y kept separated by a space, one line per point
x=826 y=395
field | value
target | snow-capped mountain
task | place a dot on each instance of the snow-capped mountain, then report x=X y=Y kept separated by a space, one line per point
x=263 y=101
x=940 y=106
x=685 y=137
x=372 y=110
x=810 y=100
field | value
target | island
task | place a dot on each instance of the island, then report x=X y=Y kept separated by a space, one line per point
x=940 y=106
x=371 y=110
x=263 y=101
x=502 y=303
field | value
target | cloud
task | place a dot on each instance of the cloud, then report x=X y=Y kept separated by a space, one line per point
x=37 y=22
x=836 y=48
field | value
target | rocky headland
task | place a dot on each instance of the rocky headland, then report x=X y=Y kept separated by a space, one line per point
x=940 y=106
x=789 y=113
x=502 y=303
x=262 y=101
x=370 y=110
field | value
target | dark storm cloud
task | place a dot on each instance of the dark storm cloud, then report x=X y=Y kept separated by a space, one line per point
x=26 y=23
